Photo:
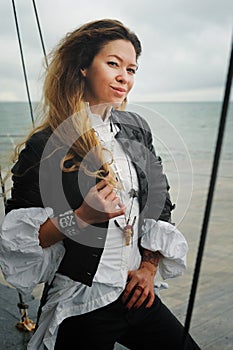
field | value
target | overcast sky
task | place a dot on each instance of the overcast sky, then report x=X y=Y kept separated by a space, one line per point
x=186 y=44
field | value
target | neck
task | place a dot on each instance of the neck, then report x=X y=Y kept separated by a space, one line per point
x=103 y=110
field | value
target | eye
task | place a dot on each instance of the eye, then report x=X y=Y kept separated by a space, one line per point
x=113 y=63
x=131 y=70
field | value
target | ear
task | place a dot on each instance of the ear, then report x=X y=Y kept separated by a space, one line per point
x=83 y=72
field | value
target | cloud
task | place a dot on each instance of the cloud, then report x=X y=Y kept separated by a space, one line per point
x=185 y=44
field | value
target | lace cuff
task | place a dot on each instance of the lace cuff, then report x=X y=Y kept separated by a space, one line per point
x=23 y=261
x=168 y=240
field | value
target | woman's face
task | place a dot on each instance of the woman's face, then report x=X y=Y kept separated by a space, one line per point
x=110 y=77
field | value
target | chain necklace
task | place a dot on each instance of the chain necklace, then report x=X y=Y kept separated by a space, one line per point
x=127 y=230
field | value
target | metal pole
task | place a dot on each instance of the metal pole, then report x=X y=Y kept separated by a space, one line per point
x=222 y=123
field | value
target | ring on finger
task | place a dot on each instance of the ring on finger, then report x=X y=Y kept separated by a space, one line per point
x=140 y=288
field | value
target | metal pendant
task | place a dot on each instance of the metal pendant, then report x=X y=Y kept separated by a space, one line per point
x=128 y=233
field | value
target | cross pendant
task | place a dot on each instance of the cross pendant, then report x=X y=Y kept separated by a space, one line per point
x=117 y=172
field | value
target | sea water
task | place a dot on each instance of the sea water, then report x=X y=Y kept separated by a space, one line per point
x=177 y=127
x=184 y=136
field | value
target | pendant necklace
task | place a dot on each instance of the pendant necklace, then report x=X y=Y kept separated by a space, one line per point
x=127 y=230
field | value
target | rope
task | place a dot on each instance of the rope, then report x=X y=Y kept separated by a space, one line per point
x=210 y=194
x=40 y=32
x=23 y=64
x=24 y=324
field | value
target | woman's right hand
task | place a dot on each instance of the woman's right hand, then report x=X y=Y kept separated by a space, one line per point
x=100 y=204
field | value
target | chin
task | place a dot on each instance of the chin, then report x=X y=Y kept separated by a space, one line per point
x=118 y=103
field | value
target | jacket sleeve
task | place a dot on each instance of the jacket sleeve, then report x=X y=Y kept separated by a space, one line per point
x=168 y=206
x=158 y=186
x=25 y=192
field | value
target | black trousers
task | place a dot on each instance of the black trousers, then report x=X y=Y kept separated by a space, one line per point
x=154 y=328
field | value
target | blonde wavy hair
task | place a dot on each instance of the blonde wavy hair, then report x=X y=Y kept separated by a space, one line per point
x=64 y=86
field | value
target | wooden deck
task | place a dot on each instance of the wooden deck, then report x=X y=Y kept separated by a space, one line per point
x=212 y=319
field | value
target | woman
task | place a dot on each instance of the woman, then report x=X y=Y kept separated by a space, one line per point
x=90 y=211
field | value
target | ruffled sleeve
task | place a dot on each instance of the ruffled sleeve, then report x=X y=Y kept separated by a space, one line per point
x=168 y=240
x=23 y=261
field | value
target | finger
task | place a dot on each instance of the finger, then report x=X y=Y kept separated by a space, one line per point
x=141 y=299
x=106 y=191
x=138 y=298
x=151 y=300
x=111 y=196
x=130 y=296
x=116 y=203
x=128 y=290
x=117 y=212
x=134 y=300
x=100 y=185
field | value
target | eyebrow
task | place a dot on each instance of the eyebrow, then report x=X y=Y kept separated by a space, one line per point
x=121 y=59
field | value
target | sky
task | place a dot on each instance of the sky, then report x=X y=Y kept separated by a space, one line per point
x=186 y=44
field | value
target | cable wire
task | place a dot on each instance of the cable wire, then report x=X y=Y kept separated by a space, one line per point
x=40 y=32
x=23 y=64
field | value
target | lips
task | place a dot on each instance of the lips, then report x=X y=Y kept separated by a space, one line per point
x=120 y=89
x=119 y=92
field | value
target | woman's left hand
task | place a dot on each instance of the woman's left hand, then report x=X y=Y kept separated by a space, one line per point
x=140 y=286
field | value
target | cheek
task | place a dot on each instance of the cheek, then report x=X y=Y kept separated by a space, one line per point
x=102 y=78
x=131 y=84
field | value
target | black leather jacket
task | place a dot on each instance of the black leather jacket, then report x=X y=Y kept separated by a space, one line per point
x=39 y=182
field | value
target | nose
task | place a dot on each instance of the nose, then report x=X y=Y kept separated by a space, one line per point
x=122 y=77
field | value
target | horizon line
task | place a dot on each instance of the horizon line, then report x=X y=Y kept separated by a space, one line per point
x=135 y=101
